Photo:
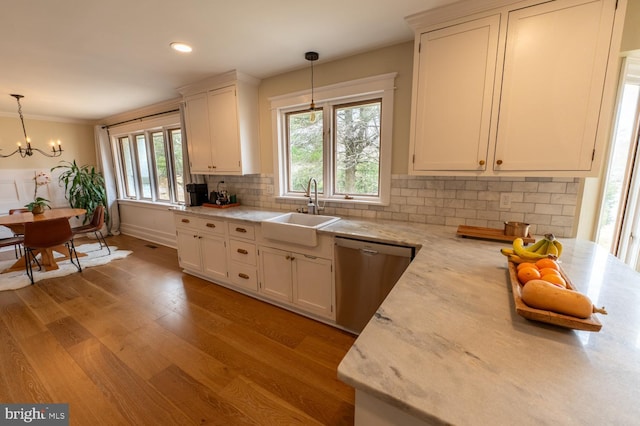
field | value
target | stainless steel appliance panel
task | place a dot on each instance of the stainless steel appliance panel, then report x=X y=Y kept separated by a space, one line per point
x=365 y=274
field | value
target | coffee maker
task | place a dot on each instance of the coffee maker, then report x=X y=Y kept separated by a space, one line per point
x=197 y=193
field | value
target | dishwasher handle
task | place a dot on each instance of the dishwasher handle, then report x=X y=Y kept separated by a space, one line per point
x=369 y=251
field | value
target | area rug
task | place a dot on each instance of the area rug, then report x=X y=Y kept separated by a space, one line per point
x=94 y=257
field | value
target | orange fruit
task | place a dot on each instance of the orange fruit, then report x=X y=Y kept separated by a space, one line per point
x=549 y=271
x=555 y=279
x=547 y=263
x=525 y=265
x=527 y=274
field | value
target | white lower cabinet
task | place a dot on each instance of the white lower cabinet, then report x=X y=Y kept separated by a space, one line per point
x=302 y=280
x=242 y=263
x=229 y=253
x=202 y=246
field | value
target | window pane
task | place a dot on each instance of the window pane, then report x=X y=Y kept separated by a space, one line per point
x=357 y=148
x=162 y=172
x=178 y=169
x=127 y=167
x=305 y=149
x=143 y=165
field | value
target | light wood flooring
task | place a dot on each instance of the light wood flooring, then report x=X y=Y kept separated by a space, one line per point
x=138 y=342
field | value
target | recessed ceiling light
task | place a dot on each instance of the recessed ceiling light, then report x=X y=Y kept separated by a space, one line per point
x=181 y=47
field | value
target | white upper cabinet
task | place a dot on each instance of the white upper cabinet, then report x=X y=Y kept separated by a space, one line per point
x=455 y=76
x=221 y=119
x=523 y=89
x=552 y=84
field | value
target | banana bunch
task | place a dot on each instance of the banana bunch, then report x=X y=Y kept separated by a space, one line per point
x=548 y=246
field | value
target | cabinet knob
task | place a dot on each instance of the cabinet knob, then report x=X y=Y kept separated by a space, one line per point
x=211 y=225
x=185 y=221
x=288 y=257
x=241 y=230
x=244 y=276
x=481 y=162
x=499 y=162
x=242 y=251
x=293 y=258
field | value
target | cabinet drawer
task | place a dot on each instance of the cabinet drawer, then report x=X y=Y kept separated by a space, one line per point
x=212 y=226
x=241 y=230
x=186 y=221
x=244 y=276
x=243 y=252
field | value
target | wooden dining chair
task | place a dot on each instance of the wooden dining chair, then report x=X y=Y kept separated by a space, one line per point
x=45 y=235
x=95 y=226
x=18 y=231
x=15 y=241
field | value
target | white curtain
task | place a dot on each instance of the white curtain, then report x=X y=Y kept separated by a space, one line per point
x=104 y=158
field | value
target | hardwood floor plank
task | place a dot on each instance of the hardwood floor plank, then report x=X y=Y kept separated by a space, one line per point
x=140 y=357
x=303 y=395
x=137 y=341
x=285 y=360
x=18 y=318
x=137 y=401
x=41 y=304
x=67 y=383
x=202 y=367
x=18 y=379
x=68 y=331
x=201 y=404
x=262 y=406
x=328 y=354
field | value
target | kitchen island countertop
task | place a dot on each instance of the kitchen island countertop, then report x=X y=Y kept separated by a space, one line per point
x=447 y=347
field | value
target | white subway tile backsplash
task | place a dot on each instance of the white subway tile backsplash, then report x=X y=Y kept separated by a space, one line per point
x=547 y=204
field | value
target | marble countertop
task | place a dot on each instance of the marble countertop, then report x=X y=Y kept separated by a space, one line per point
x=448 y=347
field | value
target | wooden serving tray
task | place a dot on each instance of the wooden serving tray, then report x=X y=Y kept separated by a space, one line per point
x=223 y=206
x=490 y=234
x=567 y=321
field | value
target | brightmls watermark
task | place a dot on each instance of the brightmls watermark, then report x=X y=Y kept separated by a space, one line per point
x=36 y=414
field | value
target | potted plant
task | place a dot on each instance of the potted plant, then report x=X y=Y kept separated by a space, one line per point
x=84 y=187
x=38 y=205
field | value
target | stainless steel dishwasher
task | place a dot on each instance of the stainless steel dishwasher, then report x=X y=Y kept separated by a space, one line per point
x=365 y=274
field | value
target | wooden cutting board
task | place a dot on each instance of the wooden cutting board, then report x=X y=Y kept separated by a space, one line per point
x=490 y=234
x=589 y=324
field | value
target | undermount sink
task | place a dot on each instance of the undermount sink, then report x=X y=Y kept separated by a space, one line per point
x=297 y=228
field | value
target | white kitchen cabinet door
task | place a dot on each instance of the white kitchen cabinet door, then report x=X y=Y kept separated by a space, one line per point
x=552 y=85
x=198 y=138
x=189 y=256
x=276 y=280
x=223 y=128
x=313 y=285
x=214 y=257
x=453 y=96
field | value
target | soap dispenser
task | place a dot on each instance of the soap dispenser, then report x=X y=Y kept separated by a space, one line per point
x=311 y=208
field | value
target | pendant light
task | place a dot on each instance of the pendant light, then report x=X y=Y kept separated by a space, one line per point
x=27 y=151
x=312 y=57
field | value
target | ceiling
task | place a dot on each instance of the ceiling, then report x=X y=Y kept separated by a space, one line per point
x=87 y=60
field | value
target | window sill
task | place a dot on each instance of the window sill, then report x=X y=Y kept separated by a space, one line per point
x=322 y=201
x=146 y=203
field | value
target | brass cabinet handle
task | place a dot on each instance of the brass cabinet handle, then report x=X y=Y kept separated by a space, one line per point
x=242 y=251
x=185 y=221
x=211 y=225
x=244 y=276
x=288 y=257
x=293 y=258
x=241 y=230
x=481 y=162
x=499 y=162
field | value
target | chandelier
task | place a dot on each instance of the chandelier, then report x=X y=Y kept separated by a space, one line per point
x=27 y=151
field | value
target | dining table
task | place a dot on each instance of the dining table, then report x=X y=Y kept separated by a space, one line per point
x=48 y=259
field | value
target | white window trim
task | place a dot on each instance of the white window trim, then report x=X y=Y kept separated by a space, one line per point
x=380 y=86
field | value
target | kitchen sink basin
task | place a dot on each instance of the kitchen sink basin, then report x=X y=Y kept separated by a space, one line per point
x=296 y=228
